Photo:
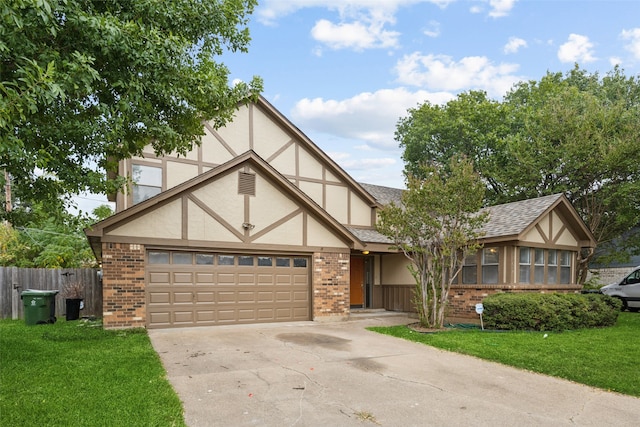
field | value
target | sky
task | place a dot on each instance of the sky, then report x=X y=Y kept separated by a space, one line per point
x=345 y=71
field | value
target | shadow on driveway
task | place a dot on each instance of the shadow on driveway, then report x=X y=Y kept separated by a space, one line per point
x=340 y=374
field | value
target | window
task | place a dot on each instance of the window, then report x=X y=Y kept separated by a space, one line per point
x=283 y=262
x=552 y=266
x=226 y=260
x=204 y=259
x=147 y=182
x=538 y=273
x=265 y=261
x=245 y=260
x=565 y=267
x=490 y=258
x=299 y=262
x=182 y=258
x=158 y=257
x=525 y=265
x=470 y=270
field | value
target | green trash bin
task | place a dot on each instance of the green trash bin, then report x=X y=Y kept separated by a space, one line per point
x=39 y=306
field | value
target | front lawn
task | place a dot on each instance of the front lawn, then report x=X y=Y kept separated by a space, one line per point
x=76 y=373
x=604 y=358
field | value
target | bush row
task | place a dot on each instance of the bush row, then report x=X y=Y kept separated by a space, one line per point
x=549 y=312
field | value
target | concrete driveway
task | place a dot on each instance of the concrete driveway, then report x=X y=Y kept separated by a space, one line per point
x=339 y=374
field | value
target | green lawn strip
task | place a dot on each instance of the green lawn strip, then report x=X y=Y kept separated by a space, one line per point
x=602 y=357
x=76 y=373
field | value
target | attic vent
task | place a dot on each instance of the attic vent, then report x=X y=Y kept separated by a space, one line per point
x=247 y=184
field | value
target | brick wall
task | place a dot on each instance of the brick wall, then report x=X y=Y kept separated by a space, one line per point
x=330 y=286
x=463 y=298
x=123 y=285
x=609 y=275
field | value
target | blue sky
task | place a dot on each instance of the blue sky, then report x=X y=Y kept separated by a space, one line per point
x=345 y=71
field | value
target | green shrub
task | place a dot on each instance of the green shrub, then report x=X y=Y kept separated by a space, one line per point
x=549 y=312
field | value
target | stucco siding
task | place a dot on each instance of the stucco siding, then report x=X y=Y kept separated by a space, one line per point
x=159 y=223
x=319 y=236
x=177 y=173
x=360 y=211
x=337 y=202
x=238 y=135
x=394 y=270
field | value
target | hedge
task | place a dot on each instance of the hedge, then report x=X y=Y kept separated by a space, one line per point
x=549 y=312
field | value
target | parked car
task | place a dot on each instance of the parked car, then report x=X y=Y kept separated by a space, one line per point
x=628 y=290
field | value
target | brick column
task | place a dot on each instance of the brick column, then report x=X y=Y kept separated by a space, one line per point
x=123 y=286
x=331 y=286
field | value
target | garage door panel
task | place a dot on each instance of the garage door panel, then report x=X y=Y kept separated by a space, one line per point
x=205 y=278
x=159 y=278
x=182 y=297
x=301 y=296
x=205 y=316
x=226 y=297
x=182 y=277
x=266 y=296
x=226 y=278
x=159 y=297
x=183 y=317
x=204 y=297
x=213 y=294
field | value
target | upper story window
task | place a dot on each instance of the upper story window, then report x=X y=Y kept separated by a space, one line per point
x=147 y=182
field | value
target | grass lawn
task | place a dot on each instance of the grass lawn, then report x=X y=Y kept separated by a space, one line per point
x=77 y=374
x=606 y=358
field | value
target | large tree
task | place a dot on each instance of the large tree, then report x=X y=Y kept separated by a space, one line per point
x=578 y=134
x=85 y=83
x=437 y=224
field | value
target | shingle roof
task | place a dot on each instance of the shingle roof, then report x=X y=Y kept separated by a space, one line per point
x=513 y=218
x=509 y=219
x=369 y=235
x=384 y=195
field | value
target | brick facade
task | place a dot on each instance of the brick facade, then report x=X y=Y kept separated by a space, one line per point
x=463 y=299
x=330 y=286
x=123 y=285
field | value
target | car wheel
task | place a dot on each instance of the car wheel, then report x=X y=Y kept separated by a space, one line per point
x=624 y=304
x=634 y=309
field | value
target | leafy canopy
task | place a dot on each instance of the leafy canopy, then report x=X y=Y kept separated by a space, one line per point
x=85 y=83
x=436 y=226
x=49 y=240
x=577 y=134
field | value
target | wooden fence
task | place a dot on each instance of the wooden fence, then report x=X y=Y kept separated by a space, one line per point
x=14 y=280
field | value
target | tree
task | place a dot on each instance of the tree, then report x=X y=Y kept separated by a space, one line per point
x=436 y=226
x=576 y=134
x=49 y=241
x=84 y=84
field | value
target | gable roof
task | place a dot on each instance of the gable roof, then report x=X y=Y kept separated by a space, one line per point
x=509 y=221
x=513 y=220
x=249 y=158
x=279 y=118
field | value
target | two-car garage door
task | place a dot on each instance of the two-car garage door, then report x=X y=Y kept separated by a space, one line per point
x=197 y=288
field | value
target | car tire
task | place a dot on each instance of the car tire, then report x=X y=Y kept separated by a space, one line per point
x=624 y=304
x=634 y=309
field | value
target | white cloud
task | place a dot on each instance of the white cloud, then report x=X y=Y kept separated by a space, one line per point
x=633 y=36
x=366 y=164
x=442 y=73
x=500 y=8
x=433 y=29
x=269 y=11
x=577 y=49
x=356 y=35
x=367 y=117
x=615 y=60
x=514 y=44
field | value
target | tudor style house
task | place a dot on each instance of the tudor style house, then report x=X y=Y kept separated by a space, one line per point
x=258 y=224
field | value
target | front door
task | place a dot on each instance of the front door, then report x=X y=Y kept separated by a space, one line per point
x=356 y=288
